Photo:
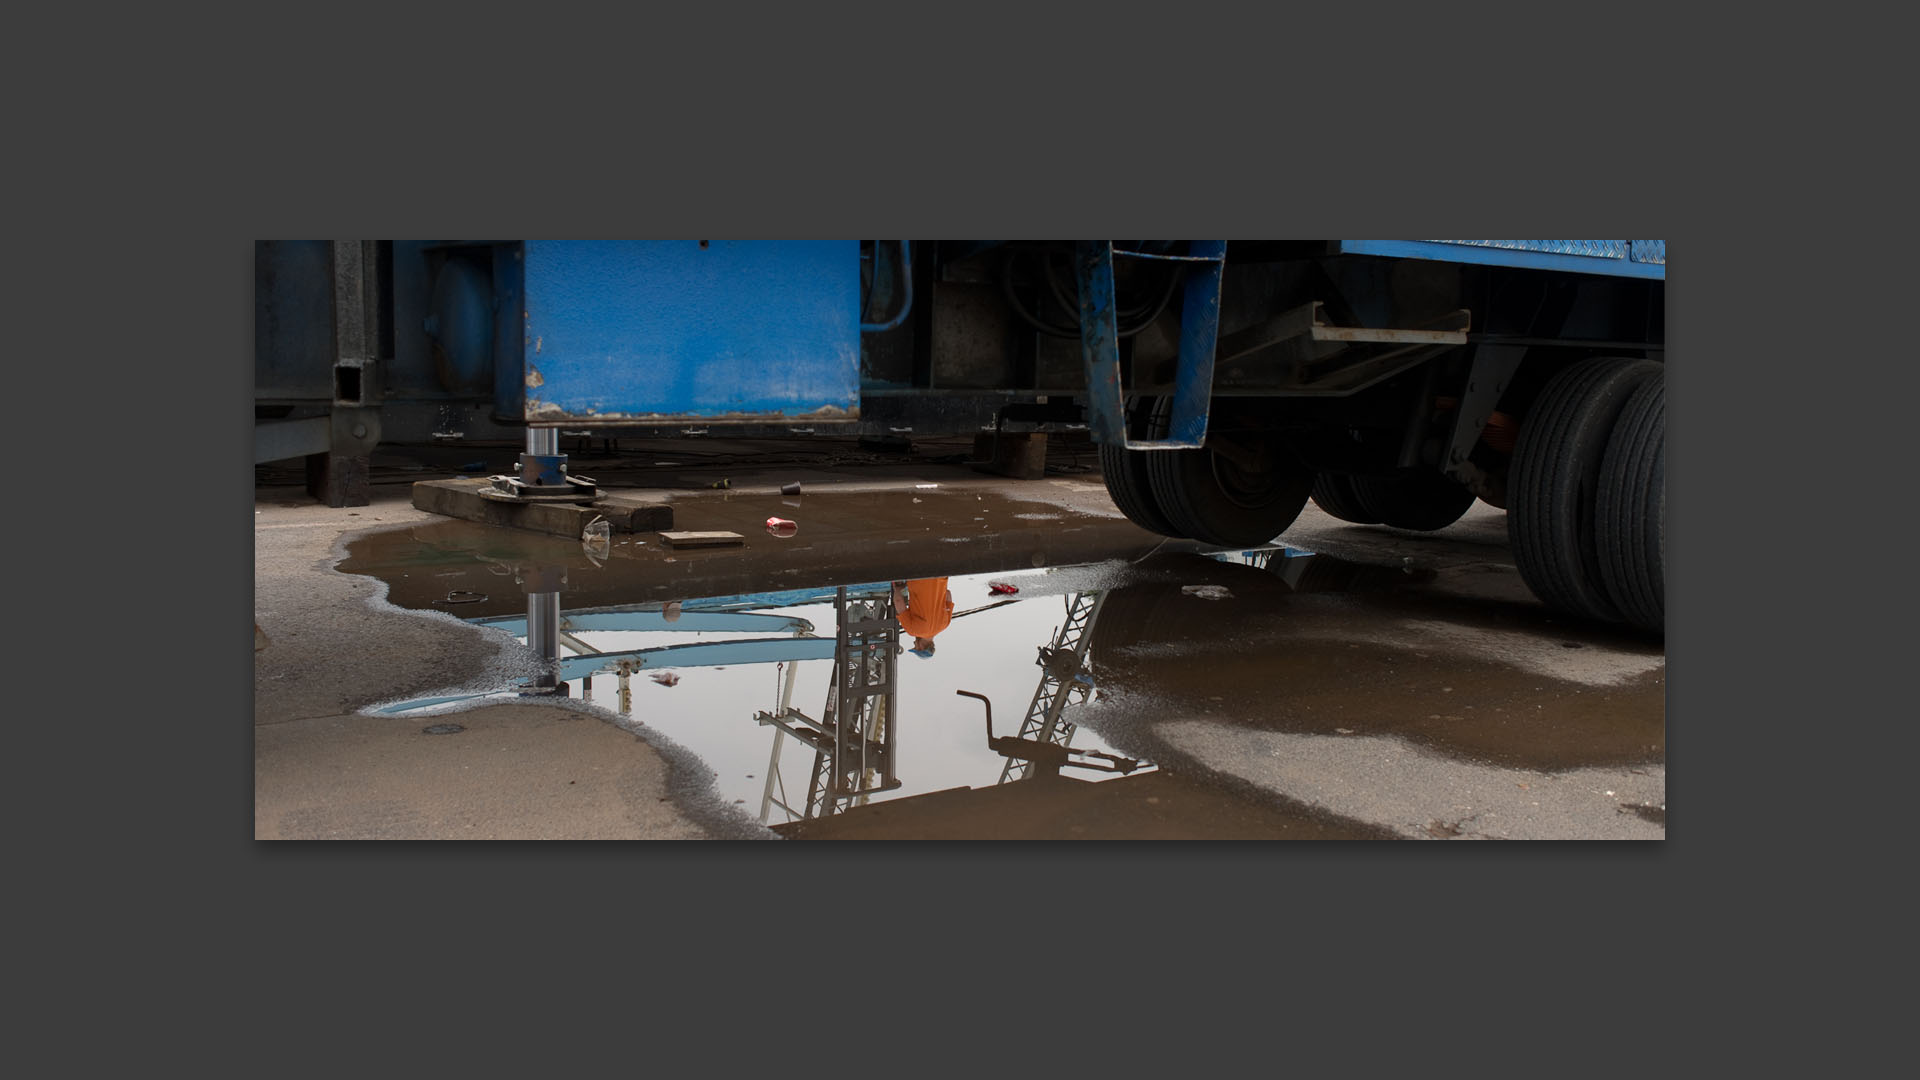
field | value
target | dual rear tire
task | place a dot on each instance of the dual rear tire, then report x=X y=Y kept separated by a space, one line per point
x=1415 y=499
x=1587 y=493
x=1227 y=500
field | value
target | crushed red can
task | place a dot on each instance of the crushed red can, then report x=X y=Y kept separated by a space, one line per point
x=780 y=526
x=1001 y=588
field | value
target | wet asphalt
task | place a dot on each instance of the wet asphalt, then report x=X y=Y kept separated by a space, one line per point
x=1346 y=682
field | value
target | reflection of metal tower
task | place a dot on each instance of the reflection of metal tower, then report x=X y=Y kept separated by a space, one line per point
x=1061 y=680
x=854 y=740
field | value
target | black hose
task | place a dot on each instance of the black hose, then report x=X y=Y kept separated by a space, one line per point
x=1173 y=279
x=1020 y=309
x=1127 y=321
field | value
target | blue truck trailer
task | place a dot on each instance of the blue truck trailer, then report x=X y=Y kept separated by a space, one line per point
x=1226 y=384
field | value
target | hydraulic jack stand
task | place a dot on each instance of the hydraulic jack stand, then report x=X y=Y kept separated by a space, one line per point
x=543 y=475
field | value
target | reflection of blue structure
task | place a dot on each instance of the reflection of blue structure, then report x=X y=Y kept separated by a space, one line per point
x=786 y=599
x=1062 y=676
x=699 y=654
x=691 y=618
x=715 y=614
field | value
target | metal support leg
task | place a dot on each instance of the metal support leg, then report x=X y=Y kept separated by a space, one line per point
x=1491 y=369
x=342 y=475
x=779 y=741
x=543 y=636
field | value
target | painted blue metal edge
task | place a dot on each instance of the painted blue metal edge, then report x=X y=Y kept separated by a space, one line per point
x=1489 y=256
x=702 y=621
x=700 y=654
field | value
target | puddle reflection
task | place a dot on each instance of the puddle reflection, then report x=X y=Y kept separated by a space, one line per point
x=809 y=701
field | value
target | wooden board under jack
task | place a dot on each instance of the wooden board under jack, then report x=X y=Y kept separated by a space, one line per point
x=461 y=498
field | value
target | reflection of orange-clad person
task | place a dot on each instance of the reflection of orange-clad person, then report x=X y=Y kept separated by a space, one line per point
x=924 y=608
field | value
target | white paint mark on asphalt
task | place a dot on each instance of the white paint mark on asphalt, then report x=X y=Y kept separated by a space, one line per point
x=1417 y=793
x=1592 y=665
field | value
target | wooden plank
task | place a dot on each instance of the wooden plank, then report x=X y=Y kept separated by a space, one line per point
x=632 y=515
x=702 y=539
x=340 y=479
x=461 y=499
x=1021 y=455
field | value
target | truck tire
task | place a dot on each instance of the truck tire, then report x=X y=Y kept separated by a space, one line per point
x=1416 y=499
x=1210 y=498
x=1333 y=492
x=1125 y=471
x=1631 y=509
x=1555 y=481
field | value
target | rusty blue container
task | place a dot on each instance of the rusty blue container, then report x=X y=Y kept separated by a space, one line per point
x=717 y=331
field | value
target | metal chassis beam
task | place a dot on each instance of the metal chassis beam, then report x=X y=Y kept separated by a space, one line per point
x=1488 y=374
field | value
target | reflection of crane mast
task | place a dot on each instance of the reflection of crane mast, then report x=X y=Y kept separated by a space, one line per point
x=853 y=741
x=1061 y=681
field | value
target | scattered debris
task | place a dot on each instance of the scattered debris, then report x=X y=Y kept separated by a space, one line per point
x=721 y=484
x=596 y=539
x=666 y=678
x=1207 y=592
x=462 y=596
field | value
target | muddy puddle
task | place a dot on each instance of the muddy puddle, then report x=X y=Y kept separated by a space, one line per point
x=1093 y=682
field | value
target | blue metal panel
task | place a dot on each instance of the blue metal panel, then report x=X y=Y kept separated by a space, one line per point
x=1100 y=341
x=1199 y=325
x=1099 y=344
x=691 y=330
x=1608 y=257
